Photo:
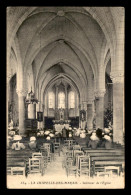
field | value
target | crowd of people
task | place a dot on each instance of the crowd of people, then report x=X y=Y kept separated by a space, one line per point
x=96 y=138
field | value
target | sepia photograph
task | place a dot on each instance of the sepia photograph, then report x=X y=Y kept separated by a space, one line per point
x=65 y=97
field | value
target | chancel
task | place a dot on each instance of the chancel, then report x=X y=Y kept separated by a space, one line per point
x=65 y=84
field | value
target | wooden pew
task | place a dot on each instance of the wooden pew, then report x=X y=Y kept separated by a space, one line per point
x=114 y=151
x=102 y=149
x=14 y=164
x=104 y=154
x=102 y=161
x=99 y=165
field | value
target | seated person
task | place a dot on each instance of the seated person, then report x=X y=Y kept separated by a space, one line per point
x=32 y=144
x=83 y=134
x=107 y=141
x=17 y=145
x=48 y=140
x=99 y=133
x=94 y=141
x=74 y=131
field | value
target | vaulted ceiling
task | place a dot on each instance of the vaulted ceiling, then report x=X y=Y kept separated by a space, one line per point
x=50 y=41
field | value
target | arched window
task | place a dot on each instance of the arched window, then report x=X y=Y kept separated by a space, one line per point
x=61 y=100
x=71 y=99
x=51 y=100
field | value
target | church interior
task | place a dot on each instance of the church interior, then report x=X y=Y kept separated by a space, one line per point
x=65 y=91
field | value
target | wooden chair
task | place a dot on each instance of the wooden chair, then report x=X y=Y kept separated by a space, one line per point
x=34 y=165
x=75 y=152
x=18 y=171
x=69 y=153
x=56 y=148
x=70 y=167
x=112 y=168
x=84 y=165
x=69 y=143
x=37 y=155
x=76 y=147
x=45 y=152
x=50 y=155
x=47 y=146
x=66 y=143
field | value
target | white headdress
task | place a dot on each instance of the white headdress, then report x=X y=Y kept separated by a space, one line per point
x=17 y=138
x=94 y=137
x=32 y=138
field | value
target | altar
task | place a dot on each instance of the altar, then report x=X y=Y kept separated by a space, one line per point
x=59 y=125
x=61 y=120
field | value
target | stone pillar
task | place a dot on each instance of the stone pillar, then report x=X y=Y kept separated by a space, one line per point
x=90 y=114
x=75 y=104
x=43 y=108
x=66 y=103
x=100 y=108
x=56 y=104
x=21 y=106
x=118 y=107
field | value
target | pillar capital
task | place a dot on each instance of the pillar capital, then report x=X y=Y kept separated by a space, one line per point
x=117 y=77
x=84 y=104
x=21 y=92
x=90 y=101
x=100 y=93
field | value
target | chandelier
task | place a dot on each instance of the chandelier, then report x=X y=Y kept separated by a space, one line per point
x=30 y=98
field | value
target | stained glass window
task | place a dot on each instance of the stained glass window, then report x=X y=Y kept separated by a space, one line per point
x=71 y=99
x=61 y=100
x=51 y=100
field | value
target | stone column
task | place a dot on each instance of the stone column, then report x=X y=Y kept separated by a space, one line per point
x=43 y=123
x=118 y=106
x=66 y=103
x=90 y=114
x=100 y=108
x=56 y=103
x=21 y=106
x=75 y=104
x=8 y=97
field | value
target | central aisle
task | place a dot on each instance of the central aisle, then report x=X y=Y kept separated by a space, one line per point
x=55 y=167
